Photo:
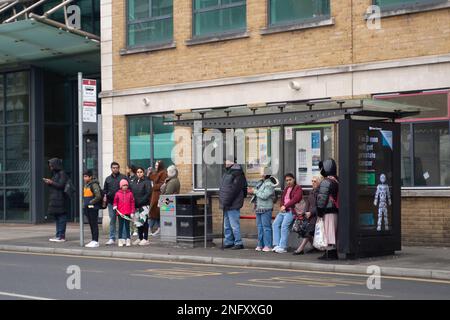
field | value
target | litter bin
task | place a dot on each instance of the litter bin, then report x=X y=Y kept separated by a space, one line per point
x=183 y=219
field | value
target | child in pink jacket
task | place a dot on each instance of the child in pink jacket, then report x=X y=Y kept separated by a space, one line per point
x=124 y=206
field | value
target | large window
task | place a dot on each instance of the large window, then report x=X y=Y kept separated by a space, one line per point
x=213 y=17
x=14 y=147
x=286 y=12
x=149 y=22
x=400 y=4
x=425 y=139
x=149 y=140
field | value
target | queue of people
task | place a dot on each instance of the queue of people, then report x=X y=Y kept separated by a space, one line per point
x=133 y=201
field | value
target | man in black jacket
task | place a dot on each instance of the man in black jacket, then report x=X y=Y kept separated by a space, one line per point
x=112 y=185
x=233 y=190
x=57 y=198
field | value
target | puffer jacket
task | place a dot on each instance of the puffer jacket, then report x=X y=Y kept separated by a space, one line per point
x=56 y=197
x=328 y=188
x=265 y=194
x=233 y=188
x=92 y=194
x=124 y=201
x=142 y=190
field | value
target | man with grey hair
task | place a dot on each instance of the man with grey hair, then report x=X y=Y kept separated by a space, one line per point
x=233 y=190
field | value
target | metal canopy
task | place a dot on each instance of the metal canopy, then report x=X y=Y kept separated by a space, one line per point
x=293 y=113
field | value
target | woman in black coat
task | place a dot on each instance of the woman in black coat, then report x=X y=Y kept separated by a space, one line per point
x=142 y=190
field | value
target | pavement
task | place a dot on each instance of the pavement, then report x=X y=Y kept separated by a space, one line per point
x=413 y=262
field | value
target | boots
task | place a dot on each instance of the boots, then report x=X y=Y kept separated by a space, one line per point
x=329 y=255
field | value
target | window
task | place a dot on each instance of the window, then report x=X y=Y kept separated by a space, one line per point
x=149 y=140
x=286 y=12
x=213 y=17
x=400 y=4
x=149 y=22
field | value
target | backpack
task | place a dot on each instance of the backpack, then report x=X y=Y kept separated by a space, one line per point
x=334 y=201
x=69 y=188
x=102 y=193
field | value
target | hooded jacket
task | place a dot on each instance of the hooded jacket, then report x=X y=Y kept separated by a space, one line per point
x=56 y=197
x=233 y=188
x=172 y=183
x=92 y=194
x=265 y=193
x=328 y=188
x=125 y=203
x=142 y=190
x=112 y=185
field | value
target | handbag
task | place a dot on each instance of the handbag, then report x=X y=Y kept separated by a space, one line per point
x=320 y=242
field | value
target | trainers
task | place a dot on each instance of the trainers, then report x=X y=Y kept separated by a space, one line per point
x=144 y=242
x=275 y=248
x=135 y=234
x=228 y=246
x=280 y=250
x=154 y=234
x=128 y=243
x=92 y=244
x=238 y=247
x=110 y=242
x=266 y=249
x=258 y=249
x=136 y=242
x=53 y=239
x=121 y=242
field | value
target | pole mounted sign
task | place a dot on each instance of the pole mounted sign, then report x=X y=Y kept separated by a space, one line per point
x=89 y=100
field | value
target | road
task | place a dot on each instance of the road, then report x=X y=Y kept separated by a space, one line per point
x=41 y=276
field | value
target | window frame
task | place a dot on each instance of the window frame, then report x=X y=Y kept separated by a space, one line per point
x=291 y=23
x=418 y=4
x=151 y=19
x=215 y=8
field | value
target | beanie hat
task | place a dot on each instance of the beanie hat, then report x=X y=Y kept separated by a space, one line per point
x=123 y=182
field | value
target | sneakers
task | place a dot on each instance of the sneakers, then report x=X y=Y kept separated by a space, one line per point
x=275 y=248
x=128 y=243
x=144 y=242
x=266 y=249
x=110 y=242
x=136 y=242
x=228 y=246
x=121 y=242
x=280 y=250
x=238 y=247
x=135 y=234
x=258 y=249
x=92 y=244
x=57 y=239
x=158 y=231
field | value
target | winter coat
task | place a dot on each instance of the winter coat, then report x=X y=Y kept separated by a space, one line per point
x=265 y=194
x=158 y=179
x=142 y=190
x=328 y=188
x=171 y=184
x=295 y=197
x=92 y=194
x=233 y=188
x=125 y=203
x=56 y=197
x=311 y=204
x=112 y=185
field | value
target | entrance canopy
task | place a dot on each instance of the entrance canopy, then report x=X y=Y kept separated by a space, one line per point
x=288 y=113
x=31 y=42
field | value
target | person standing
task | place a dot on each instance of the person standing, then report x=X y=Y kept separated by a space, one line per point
x=172 y=183
x=56 y=198
x=157 y=176
x=264 y=195
x=292 y=194
x=232 y=191
x=131 y=176
x=112 y=185
x=124 y=205
x=142 y=189
x=92 y=199
x=328 y=206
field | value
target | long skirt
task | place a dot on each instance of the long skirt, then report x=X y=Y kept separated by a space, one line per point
x=330 y=223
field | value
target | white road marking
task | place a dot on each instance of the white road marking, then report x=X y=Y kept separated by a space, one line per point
x=365 y=294
x=257 y=285
x=8 y=294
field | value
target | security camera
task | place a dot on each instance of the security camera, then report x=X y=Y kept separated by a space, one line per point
x=146 y=101
x=294 y=85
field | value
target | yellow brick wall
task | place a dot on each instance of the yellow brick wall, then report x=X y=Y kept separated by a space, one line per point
x=120 y=141
x=417 y=34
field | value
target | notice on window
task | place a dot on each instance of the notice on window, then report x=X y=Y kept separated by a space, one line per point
x=308 y=155
x=89 y=90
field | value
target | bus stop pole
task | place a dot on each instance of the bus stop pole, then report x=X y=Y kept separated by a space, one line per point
x=80 y=155
x=205 y=174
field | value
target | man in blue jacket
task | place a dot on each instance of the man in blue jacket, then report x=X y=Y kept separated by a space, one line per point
x=233 y=190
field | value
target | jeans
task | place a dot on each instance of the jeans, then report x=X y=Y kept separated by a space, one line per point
x=232 y=228
x=61 y=221
x=112 y=222
x=264 y=224
x=92 y=216
x=153 y=223
x=124 y=228
x=282 y=224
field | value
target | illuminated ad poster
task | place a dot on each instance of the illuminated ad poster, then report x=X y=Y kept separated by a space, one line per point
x=374 y=179
x=257 y=154
x=307 y=155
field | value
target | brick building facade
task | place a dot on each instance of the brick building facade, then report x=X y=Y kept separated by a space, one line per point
x=337 y=55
